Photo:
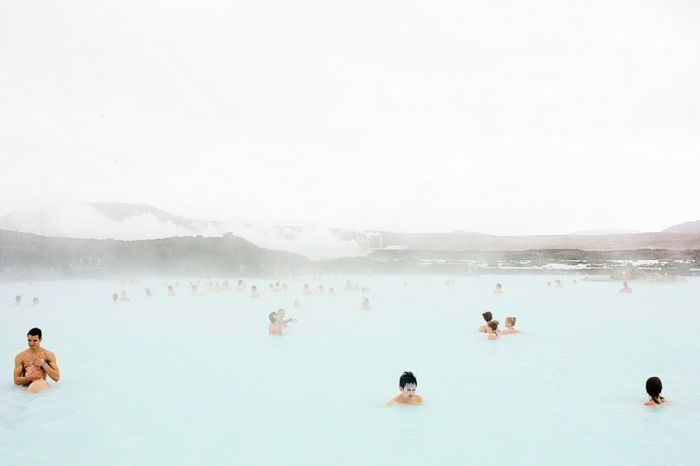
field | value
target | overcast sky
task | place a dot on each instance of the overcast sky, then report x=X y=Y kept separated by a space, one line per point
x=511 y=117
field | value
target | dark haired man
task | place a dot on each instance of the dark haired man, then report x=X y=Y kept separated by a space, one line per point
x=33 y=364
x=408 y=395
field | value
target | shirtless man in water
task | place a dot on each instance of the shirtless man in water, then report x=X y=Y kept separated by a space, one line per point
x=407 y=387
x=275 y=327
x=32 y=365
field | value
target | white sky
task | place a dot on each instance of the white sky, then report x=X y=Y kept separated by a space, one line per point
x=511 y=117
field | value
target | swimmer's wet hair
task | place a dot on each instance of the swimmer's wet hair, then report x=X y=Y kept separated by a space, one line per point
x=654 y=387
x=35 y=332
x=273 y=316
x=511 y=319
x=494 y=325
x=407 y=377
x=487 y=316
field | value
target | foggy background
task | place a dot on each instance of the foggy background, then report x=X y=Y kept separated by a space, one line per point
x=499 y=117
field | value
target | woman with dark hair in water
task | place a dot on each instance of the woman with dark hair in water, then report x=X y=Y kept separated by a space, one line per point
x=493 y=330
x=488 y=317
x=653 y=387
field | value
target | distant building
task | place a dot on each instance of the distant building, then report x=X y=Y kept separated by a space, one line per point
x=369 y=241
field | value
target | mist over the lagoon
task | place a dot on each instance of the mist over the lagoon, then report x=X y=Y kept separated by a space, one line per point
x=509 y=119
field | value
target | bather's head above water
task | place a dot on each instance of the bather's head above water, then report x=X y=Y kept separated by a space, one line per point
x=407 y=387
x=34 y=337
x=488 y=317
x=273 y=316
x=408 y=384
x=510 y=322
x=653 y=387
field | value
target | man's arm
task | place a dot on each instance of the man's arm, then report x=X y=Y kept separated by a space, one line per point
x=19 y=368
x=51 y=367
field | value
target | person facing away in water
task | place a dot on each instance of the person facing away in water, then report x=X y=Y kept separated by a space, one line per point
x=493 y=330
x=407 y=391
x=34 y=364
x=625 y=287
x=488 y=317
x=654 y=387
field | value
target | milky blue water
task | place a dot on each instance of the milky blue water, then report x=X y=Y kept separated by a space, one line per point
x=197 y=380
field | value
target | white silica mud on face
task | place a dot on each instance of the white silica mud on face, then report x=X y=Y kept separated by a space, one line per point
x=198 y=380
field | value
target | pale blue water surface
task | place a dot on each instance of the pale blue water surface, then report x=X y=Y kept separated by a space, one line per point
x=197 y=380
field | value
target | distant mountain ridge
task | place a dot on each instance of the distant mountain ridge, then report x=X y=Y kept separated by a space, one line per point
x=481 y=242
x=686 y=227
x=118 y=221
x=27 y=254
x=120 y=212
x=604 y=232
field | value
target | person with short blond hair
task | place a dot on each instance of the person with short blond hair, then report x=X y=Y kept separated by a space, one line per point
x=510 y=326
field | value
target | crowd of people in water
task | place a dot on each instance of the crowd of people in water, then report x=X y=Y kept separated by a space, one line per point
x=33 y=365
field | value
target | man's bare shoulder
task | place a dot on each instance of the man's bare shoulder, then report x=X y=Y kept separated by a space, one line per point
x=21 y=355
